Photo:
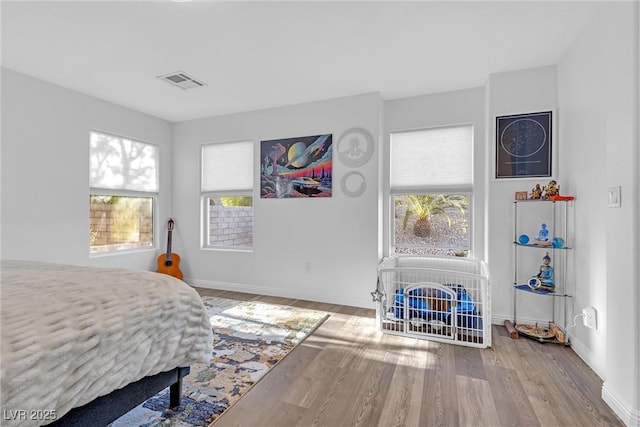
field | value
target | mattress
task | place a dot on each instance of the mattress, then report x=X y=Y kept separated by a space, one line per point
x=71 y=334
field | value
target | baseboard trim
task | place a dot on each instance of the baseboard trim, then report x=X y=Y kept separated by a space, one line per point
x=629 y=416
x=284 y=293
x=497 y=319
x=583 y=352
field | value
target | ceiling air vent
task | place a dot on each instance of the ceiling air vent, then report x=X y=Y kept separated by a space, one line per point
x=182 y=80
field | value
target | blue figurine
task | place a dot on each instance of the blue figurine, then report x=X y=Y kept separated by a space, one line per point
x=546 y=272
x=543 y=234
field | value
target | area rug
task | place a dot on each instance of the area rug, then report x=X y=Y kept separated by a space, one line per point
x=249 y=338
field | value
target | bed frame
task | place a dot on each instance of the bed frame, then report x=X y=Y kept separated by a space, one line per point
x=106 y=409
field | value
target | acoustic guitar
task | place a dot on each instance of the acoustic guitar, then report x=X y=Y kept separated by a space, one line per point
x=169 y=263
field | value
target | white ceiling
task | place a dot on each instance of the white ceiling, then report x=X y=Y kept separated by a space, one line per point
x=255 y=55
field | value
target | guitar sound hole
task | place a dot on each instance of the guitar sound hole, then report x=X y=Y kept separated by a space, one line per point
x=168 y=263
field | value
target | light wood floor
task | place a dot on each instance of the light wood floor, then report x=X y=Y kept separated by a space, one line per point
x=348 y=374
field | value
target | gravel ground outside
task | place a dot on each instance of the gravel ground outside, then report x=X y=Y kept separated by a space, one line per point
x=444 y=239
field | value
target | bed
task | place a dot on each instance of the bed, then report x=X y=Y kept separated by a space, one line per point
x=86 y=341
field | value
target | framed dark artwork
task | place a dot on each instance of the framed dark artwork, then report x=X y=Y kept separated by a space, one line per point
x=296 y=167
x=523 y=145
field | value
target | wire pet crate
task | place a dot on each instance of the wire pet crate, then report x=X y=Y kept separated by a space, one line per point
x=436 y=298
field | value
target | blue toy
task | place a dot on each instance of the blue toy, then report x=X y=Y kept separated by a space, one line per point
x=543 y=234
x=418 y=307
x=558 y=242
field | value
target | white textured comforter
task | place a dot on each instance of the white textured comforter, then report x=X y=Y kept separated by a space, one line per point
x=71 y=334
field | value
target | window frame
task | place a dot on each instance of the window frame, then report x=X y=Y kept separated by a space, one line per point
x=392 y=228
x=206 y=224
x=393 y=192
x=154 y=196
x=205 y=195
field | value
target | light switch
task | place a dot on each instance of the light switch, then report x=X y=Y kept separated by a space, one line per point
x=614 y=197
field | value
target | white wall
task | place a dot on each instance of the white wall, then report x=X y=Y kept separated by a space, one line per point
x=523 y=91
x=337 y=236
x=45 y=170
x=598 y=96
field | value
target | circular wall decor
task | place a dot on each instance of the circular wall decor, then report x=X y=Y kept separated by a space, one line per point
x=523 y=137
x=355 y=147
x=353 y=184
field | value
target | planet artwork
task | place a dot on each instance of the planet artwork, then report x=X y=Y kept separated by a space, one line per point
x=298 y=155
x=296 y=167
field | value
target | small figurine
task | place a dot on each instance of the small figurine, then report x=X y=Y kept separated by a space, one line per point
x=546 y=272
x=551 y=190
x=543 y=234
x=536 y=193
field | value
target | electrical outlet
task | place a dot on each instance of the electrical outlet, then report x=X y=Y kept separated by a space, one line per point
x=589 y=317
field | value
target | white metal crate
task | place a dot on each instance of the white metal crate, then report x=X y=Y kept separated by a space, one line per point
x=437 y=298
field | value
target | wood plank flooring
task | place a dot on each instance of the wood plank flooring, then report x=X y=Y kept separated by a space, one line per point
x=348 y=374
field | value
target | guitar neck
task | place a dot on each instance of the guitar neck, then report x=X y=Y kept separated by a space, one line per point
x=168 y=256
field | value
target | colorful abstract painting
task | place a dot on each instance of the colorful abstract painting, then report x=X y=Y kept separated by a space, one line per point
x=296 y=167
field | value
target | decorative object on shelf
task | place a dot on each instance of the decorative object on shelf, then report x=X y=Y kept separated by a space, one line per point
x=523 y=145
x=560 y=198
x=536 y=331
x=543 y=234
x=557 y=242
x=523 y=239
x=551 y=190
x=522 y=195
x=536 y=192
x=534 y=283
x=546 y=272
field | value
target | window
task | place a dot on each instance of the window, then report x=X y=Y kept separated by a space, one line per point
x=227 y=195
x=431 y=184
x=124 y=185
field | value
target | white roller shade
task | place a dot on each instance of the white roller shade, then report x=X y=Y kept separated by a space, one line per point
x=227 y=166
x=121 y=164
x=440 y=157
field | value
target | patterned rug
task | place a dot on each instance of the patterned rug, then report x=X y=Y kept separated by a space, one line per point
x=249 y=338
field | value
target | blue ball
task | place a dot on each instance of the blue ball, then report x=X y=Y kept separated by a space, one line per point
x=558 y=242
x=523 y=239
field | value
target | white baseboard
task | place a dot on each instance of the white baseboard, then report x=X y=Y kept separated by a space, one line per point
x=363 y=302
x=629 y=416
x=583 y=353
x=498 y=319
